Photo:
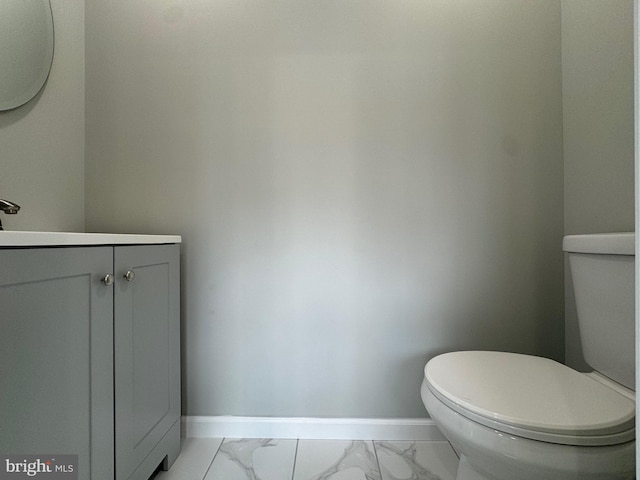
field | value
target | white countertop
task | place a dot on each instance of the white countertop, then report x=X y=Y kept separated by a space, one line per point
x=10 y=238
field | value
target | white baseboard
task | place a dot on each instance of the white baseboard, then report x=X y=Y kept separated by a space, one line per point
x=311 y=428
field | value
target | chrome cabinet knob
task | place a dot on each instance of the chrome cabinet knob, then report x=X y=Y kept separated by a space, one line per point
x=129 y=276
x=108 y=279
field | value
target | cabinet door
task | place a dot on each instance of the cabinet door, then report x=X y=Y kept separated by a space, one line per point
x=147 y=352
x=56 y=351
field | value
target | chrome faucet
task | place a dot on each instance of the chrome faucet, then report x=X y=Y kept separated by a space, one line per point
x=9 y=208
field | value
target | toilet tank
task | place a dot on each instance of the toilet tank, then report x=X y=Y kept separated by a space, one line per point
x=603 y=274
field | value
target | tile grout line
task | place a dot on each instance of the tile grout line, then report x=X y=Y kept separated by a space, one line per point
x=295 y=459
x=375 y=452
x=212 y=459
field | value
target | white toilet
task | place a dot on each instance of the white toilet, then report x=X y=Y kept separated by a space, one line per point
x=520 y=417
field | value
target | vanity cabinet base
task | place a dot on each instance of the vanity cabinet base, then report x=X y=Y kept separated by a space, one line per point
x=163 y=455
x=90 y=356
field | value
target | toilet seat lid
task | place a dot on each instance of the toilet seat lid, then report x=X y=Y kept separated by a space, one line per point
x=531 y=393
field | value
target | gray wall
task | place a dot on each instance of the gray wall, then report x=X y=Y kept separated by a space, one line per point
x=42 y=142
x=360 y=186
x=597 y=87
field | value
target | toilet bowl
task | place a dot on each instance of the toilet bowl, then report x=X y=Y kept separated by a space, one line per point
x=519 y=417
x=522 y=417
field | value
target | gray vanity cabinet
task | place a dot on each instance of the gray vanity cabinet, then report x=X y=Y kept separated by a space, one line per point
x=87 y=368
x=147 y=358
x=56 y=355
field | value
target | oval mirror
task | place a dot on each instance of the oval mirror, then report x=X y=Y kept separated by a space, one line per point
x=26 y=50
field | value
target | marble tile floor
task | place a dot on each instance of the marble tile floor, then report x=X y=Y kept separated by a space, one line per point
x=276 y=459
